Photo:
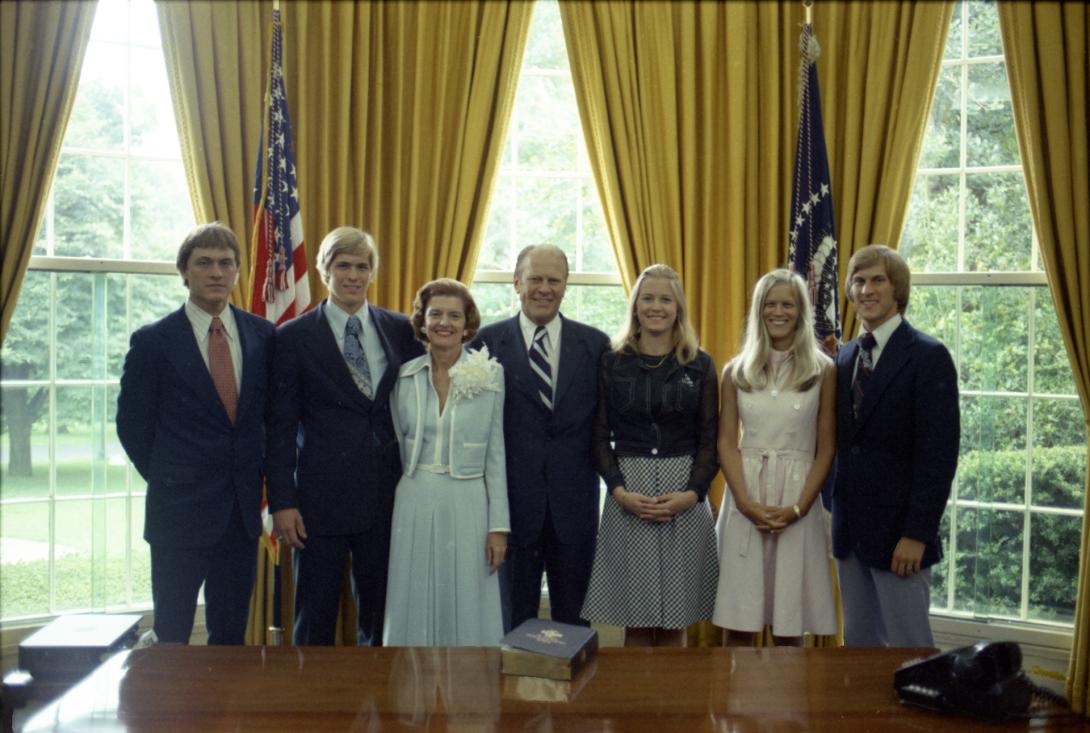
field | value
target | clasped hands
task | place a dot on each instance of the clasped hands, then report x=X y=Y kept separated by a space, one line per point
x=769 y=519
x=654 y=508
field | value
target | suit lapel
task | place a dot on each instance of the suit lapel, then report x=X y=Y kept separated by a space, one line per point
x=324 y=348
x=182 y=351
x=511 y=351
x=381 y=322
x=247 y=340
x=895 y=355
x=573 y=355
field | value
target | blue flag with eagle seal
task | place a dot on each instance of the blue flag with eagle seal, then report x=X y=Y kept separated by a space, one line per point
x=812 y=246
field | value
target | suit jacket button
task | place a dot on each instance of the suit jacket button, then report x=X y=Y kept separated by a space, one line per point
x=654 y=451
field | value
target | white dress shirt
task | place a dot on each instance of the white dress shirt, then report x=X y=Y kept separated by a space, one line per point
x=201 y=320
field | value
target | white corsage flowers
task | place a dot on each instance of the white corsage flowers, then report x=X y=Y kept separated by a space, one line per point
x=474 y=373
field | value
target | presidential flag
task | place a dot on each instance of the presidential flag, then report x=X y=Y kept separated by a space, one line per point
x=279 y=276
x=812 y=239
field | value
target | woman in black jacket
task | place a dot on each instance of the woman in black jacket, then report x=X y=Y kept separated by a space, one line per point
x=655 y=566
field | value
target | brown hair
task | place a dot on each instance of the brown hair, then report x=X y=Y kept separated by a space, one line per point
x=213 y=236
x=453 y=288
x=896 y=270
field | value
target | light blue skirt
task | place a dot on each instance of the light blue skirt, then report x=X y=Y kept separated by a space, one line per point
x=439 y=591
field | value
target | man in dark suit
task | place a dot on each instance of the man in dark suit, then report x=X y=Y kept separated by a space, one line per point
x=551 y=370
x=333 y=457
x=191 y=416
x=898 y=427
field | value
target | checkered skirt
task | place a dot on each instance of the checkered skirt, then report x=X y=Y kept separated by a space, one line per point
x=651 y=574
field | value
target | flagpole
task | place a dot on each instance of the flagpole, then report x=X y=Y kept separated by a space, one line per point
x=807 y=6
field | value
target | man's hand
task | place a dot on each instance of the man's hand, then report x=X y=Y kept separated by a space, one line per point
x=290 y=528
x=495 y=550
x=907 y=556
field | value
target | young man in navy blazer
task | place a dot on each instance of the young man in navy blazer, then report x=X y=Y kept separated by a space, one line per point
x=552 y=484
x=191 y=416
x=333 y=457
x=898 y=428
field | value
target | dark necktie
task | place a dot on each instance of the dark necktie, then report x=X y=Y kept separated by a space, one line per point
x=539 y=364
x=356 y=358
x=863 y=371
x=222 y=368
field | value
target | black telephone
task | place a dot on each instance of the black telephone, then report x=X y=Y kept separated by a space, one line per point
x=984 y=680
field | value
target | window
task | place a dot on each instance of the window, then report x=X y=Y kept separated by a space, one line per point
x=1012 y=527
x=546 y=191
x=71 y=507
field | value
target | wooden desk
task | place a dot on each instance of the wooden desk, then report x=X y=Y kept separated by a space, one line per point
x=265 y=689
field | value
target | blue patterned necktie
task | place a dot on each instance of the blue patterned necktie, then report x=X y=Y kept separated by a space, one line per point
x=863 y=371
x=539 y=364
x=357 y=360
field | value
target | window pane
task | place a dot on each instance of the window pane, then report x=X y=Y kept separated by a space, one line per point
x=76 y=449
x=991 y=139
x=153 y=296
x=24 y=444
x=984 y=38
x=111 y=21
x=116 y=585
x=162 y=213
x=153 y=130
x=88 y=195
x=76 y=294
x=934 y=310
x=495 y=301
x=542 y=51
x=941 y=145
x=940 y=571
x=1051 y=365
x=994 y=338
x=74 y=568
x=24 y=559
x=547 y=120
x=989 y=561
x=930 y=240
x=1053 y=566
x=1058 y=476
x=993 y=423
x=546 y=212
x=992 y=476
x=496 y=250
x=953 y=40
x=25 y=351
x=601 y=305
x=998 y=228
x=98 y=115
x=597 y=255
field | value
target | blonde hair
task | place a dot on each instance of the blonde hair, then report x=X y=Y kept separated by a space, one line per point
x=751 y=368
x=346 y=240
x=686 y=343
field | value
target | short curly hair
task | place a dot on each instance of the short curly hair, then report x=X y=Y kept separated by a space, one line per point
x=453 y=288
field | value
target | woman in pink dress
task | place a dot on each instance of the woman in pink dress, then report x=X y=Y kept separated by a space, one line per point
x=777 y=438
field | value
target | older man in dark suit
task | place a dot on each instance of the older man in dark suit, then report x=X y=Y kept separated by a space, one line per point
x=191 y=416
x=551 y=371
x=897 y=449
x=333 y=457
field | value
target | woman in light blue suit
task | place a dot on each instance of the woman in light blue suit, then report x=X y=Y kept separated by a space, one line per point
x=450 y=520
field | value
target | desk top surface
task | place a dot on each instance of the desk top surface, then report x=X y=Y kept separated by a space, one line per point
x=339 y=689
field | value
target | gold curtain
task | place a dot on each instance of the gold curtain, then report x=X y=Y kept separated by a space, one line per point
x=42 y=44
x=216 y=57
x=399 y=111
x=1047 y=49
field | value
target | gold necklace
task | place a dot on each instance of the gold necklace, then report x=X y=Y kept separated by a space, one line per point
x=661 y=361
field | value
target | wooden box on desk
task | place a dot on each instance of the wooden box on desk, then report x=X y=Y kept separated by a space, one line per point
x=542 y=648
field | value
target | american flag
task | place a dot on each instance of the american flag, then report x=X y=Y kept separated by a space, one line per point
x=279 y=276
x=812 y=239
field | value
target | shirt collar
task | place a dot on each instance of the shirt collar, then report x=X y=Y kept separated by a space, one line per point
x=338 y=317
x=201 y=319
x=529 y=328
x=883 y=332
